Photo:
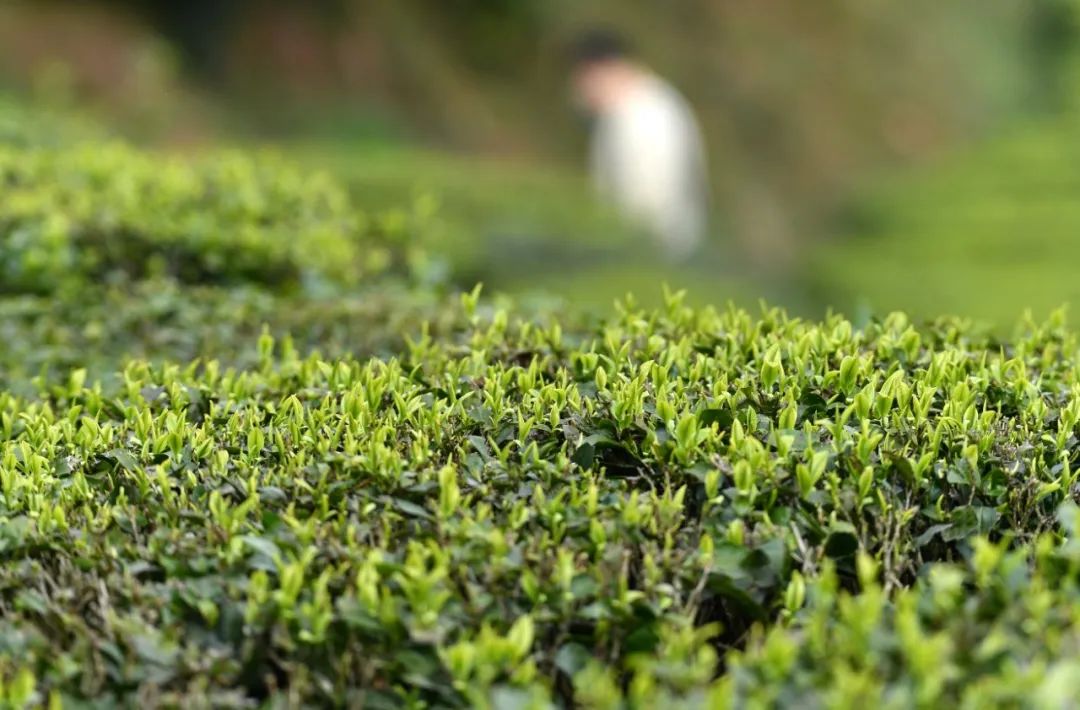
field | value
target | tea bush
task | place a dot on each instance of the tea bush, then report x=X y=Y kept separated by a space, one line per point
x=92 y=213
x=999 y=629
x=161 y=320
x=682 y=506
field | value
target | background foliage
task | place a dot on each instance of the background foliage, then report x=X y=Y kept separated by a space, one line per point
x=806 y=107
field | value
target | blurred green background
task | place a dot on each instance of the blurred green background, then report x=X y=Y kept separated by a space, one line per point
x=866 y=155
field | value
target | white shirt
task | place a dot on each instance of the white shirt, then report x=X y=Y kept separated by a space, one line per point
x=648 y=158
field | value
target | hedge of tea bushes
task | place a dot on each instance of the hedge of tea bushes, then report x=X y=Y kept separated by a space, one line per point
x=687 y=507
x=109 y=253
x=90 y=213
x=1001 y=628
x=158 y=320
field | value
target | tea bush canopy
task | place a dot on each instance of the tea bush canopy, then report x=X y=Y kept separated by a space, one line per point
x=686 y=506
x=97 y=212
x=160 y=320
x=110 y=252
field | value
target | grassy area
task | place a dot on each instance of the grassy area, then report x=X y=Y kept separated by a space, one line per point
x=528 y=229
x=985 y=234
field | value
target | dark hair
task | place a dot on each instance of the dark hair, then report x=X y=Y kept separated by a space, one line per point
x=599 y=44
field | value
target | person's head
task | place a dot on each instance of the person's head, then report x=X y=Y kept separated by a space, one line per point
x=601 y=69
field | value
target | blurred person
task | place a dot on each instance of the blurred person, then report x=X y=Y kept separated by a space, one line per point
x=647 y=153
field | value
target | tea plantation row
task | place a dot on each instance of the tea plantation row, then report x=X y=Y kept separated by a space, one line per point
x=109 y=253
x=517 y=516
x=681 y=507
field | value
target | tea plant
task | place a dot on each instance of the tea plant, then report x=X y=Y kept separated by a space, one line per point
x=111 y=253
x=161 y=320
x=997 y=629
x=682 y=506
x=87 y=213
